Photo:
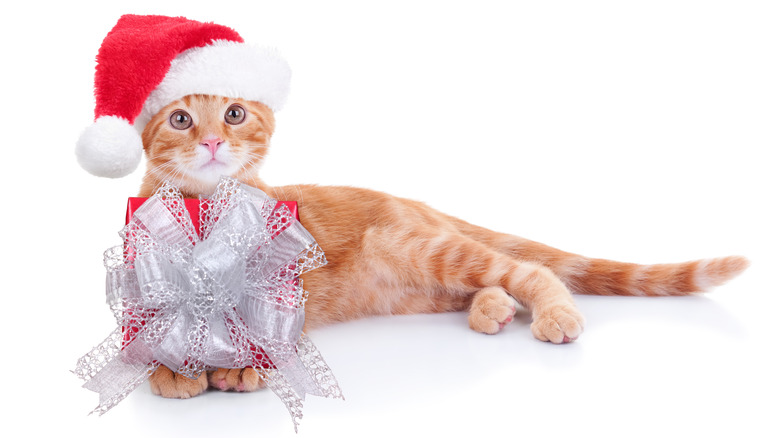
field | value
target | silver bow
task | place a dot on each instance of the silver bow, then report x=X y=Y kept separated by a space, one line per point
x=229 y=299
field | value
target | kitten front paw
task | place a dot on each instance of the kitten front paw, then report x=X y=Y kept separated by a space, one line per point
x=559 y=324
x=491 y=309
x=168 y=384
x=241 y=380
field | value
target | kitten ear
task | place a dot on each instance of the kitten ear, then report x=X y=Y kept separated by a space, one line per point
x=111 y=148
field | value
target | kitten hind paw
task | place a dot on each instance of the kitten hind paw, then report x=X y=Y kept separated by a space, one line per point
x=559 y=324
x=491 y=309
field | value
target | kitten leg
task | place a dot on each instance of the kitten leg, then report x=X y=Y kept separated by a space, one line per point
x=459 y=262
x=168 y=384
x=241 y=380
x=491 y=309
x=555 y=317
x=461 y=265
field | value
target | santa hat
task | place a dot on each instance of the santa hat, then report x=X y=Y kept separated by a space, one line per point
x=147 y=62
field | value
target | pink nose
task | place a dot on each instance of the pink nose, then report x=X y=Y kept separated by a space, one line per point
x=212 y=142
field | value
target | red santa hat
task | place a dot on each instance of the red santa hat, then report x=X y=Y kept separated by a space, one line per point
x=147 y=62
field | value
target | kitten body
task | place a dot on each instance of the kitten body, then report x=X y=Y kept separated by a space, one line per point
x=388 y=255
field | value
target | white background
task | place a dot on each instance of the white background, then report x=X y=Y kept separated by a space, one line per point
x=637 y=131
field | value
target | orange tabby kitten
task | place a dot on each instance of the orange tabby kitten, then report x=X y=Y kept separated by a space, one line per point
x=392 y=255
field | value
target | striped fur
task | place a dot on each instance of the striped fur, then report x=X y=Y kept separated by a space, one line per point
x=389 y=255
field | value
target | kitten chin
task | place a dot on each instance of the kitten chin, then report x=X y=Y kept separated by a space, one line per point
x=202 y=184
x=206 y=170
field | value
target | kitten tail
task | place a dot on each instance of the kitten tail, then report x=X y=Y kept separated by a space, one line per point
x=606 y=277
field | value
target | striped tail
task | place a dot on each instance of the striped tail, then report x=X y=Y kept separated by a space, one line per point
x=590 y=276
x=606 y=277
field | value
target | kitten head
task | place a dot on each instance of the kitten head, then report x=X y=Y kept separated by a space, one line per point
x=196 y=140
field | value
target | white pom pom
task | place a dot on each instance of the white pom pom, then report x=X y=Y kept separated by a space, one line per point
x=110 y=148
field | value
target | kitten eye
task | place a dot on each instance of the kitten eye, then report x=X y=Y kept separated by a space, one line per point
x=234 y=115
x=180 y=120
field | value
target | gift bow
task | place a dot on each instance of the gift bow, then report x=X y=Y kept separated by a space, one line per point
x=229 y=299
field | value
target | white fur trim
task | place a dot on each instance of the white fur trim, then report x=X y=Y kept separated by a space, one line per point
x=110 y=148
x=224 y=68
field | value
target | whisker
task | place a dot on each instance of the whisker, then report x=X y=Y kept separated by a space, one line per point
x=169 y=171
x=164 y=171
x=164 y=164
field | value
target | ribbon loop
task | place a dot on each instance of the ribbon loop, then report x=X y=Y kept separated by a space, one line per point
x=230 y=299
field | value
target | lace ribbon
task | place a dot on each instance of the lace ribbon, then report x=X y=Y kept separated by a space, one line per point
x=230 y=298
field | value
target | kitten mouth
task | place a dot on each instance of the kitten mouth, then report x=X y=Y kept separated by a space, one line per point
x=212 y=163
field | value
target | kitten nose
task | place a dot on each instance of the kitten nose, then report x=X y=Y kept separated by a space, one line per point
x=212 y=142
